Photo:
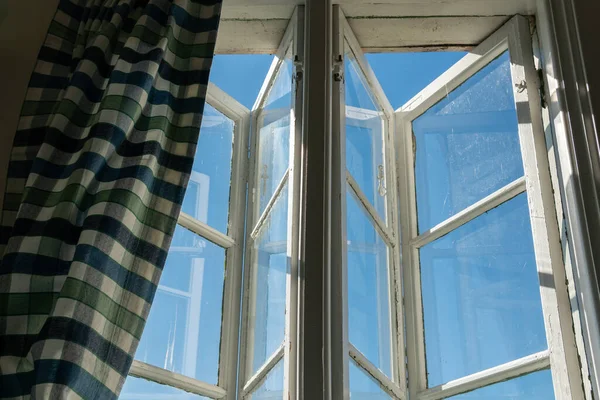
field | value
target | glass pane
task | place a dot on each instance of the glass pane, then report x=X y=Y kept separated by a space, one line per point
x=270 y=272
x=183 y=332
x=207 y=195
x=272 y=387
x=364 y=136
x=467 y=145
x=274 y=134
x=481 y=295
x=535 y=386
x=363 y=386
x=368 y=288
x=141 y=389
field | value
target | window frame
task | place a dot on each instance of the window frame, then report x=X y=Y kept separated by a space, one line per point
x=345 y=42
x=292 y=41
x=233 y=243
x=561 y=357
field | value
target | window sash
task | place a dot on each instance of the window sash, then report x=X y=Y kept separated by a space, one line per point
x=291 y=43
x=560 y=356
x=233 y=243
x=345 y=42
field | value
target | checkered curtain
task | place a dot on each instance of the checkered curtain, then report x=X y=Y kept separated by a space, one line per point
x=97 y=174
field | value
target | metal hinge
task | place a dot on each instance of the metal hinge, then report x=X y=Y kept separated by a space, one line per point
x=338 y=68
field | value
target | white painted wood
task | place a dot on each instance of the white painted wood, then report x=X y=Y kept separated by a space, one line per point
x=390 y=34
x=254 y=221
x=386 y=383
x=232 y=289
x=390 y=228
x=504 y=372
x=416 y=8
x=370 y=212
x=292 y=337
x=555 y=302
x=205 y=231
x=250 y=36
x=226 y=105
x=267 y=211
x=415 y=340
x=487 y=51
x=338 y=323
x=371 y=81
x=484 y=205
x=146 y=371
x=262 y=372
x=576 y=247
x=551 y=271
x=257 y=11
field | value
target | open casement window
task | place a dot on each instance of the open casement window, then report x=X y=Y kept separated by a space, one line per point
x=190 y=342
x=268 y=351
x=364 y=126
x=486 y=306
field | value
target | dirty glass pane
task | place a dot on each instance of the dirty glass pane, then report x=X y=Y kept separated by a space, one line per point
x=467 y=145
x=270 y=265
x=272 y=387
x=368 y=288
x=481 y=295
x=274 y=134
x=183 y=331
x=535 y=386
x=363 y=386
x=207 y=194
x=142 y=389
x=364 y=137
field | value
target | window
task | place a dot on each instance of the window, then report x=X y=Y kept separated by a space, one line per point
x=189 y=343
x=450 y=251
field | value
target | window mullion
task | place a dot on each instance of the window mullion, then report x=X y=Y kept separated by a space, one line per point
x=510 y=370
x=386 y=384
x=206 y=231
x=150 y=372
x=484 y=205
x=366 y=204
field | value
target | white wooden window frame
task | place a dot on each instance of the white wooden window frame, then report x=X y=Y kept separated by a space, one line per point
x=345 y=42
x=561 y=355
x=233 y=243
x=292 y=44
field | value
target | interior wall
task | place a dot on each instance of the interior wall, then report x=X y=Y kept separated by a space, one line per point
x=23 y=26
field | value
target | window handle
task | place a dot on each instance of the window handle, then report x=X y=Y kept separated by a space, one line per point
x=381 y=181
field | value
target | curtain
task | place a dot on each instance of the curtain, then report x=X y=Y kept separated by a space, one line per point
x=97 y=174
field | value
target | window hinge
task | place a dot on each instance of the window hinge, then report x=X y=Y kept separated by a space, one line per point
x=542 y=88
x=338 y=68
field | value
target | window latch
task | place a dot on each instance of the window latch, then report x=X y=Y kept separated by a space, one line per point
x=521 y=86
x=381 y=181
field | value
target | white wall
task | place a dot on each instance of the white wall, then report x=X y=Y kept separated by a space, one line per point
x=23 y=26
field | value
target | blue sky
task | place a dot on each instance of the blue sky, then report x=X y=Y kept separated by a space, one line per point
x=488 y=261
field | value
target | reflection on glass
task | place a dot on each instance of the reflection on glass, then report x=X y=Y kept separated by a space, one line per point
x=141 y=389
x=207 y=194
x=368 y=288
x=363 y=386
x=535 y=386
x=467 y=145
x=183 y=331
x=274 y=134
x=272 y=387
x=481 y=296
x=364 y=137
x=271 y=265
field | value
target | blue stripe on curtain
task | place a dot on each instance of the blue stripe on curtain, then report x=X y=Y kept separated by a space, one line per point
x=94 y=189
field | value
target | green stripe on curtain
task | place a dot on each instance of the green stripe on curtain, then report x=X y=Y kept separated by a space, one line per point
x=97 y=175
